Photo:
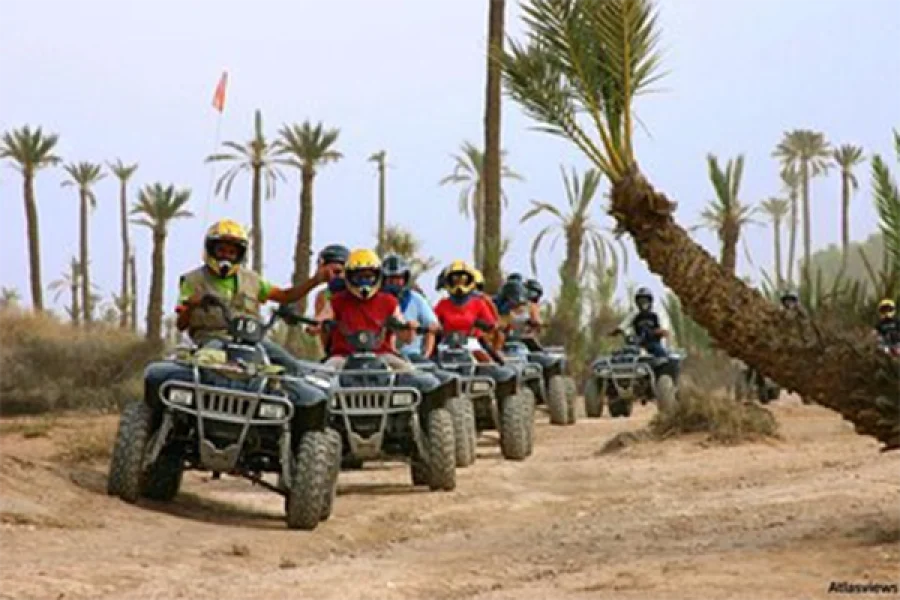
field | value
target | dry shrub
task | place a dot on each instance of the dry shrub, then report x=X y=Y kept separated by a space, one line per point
x=727 y=421
x=87 y=445
x=48 y=365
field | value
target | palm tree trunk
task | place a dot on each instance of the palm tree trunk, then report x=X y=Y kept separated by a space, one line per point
x=303 y=248
x=134 y=291
x=776 y=226
x=792 y=242
x=478 y=251
x=123 y=207
x=34 y=241
x=257 y=219
x=382 y=206
x=155 y=302
x=807 y=225
x=845 y=216
x=86 y=304
x=492 y=225
x=818 y=362
x=729 y=250
x=74 y=290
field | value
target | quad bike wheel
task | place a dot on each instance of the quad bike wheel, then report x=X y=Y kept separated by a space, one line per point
x=312 y=481
x=571 y=401
x=593 y=401
x=557 y=401
x=125 y=469
x=620 y=407
x=163 y=478
x=516 y=426
x=418 y=471
x=665 y=394
x=463 y=429
x=441 y=447
x=334 y=472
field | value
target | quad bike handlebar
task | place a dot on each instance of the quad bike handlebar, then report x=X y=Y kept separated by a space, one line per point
x=243 y=329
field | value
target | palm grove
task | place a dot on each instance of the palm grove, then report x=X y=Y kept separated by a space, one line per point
x=577 y=72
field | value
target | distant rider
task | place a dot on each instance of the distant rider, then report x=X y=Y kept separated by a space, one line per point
x=413 y=305
x=888 y=325
x=646 y=324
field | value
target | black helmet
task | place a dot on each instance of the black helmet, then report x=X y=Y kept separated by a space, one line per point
x=534 y=290
x=515 y=277
x=394 y=265
x=513 y=293
x=789 y=297
x=334 y=254
x=439 y=282
x=643 y=293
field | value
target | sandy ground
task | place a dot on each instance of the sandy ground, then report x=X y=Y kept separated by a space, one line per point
x=676 y=519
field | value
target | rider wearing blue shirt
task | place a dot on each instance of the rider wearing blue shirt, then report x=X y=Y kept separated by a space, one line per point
x=413 y=305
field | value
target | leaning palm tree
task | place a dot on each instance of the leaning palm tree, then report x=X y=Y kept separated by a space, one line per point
x=157 y=206
x=493 y=161
x=123 y=173
x=790 y=180
x=726 y=215
x=809 y=153
x=777 y=209
x=846 y=158
x=260 y=157
x=379 y=159
x=468 y=172
x=84 y=176
x=70 y=281
x=578 y=74
x=309 y=148
x=31 y=150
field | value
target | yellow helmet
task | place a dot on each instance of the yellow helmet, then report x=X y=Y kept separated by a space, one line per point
x=479 y=279
x=887 y=308
x=459 y=278
x=362 y=273
x=232 y=232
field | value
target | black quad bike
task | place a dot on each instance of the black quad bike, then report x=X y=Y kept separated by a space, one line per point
x=498 y=395
x=224 y=407
x=385 y=414
x=558 y=390
x=629 y=374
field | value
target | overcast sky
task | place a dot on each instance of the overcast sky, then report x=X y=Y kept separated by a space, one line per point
x=408 y=76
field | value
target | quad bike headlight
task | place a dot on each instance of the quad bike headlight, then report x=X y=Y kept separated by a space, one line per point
x=402 y=399
x=182 y=397
x=480 y=386
x=271 y=410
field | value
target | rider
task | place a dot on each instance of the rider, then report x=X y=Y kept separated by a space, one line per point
x=646 y=324
x=223 y=275
x=414 y=306
x=534 y=292
x=790 y=302
x=888 y=325
x=512 y=306
x=335 y=257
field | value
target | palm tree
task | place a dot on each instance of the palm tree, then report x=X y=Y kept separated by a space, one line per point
x=468 y=170
x=726 y=214
x=790 y=179
x=846 y=157
x=809 y=153
x=379 y=159
x=492 y=238
x=84 y=176
x=404 y=243
x=70 y=281
x=577 y=75
x=157 y=206
x=9 y=297
x=123 y=172
x=777 y=209
x=261 y=158
x=132 y=268
x=31 y=150
x=309 y=147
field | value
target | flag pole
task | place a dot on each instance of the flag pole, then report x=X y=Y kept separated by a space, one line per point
x=219 y=104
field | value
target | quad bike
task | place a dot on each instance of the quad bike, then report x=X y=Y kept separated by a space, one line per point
x=628 y=374
x=385 y=414
x=891 y=347
x=751 y=384
x=225 y=408
x=498 y=395
x=558 y=391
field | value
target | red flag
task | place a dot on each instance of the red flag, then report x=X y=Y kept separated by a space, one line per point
x=219 y=97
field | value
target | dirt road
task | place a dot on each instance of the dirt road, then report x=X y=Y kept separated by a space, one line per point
x=675 y=519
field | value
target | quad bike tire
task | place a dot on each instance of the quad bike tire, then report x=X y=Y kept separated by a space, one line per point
x=665 y=393
x=312 y=481
x=418 y=471
x=530 y=396
x=571 y=401
x=557 y=401
x=593 y=401
x=440 y=443
x=463 y=429
x=517 y=426
x=619 y=407
x=334 y=439
x=163 y=478
x=125 y=468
